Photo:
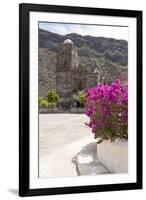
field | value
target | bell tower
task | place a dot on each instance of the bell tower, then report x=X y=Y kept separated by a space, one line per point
x=67 y=64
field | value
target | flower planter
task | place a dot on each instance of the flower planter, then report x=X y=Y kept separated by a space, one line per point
x=114 y=155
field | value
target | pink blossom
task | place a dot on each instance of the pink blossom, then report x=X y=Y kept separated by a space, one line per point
x=107 y=108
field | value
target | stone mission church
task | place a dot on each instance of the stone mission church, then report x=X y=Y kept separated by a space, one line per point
x=70 y=78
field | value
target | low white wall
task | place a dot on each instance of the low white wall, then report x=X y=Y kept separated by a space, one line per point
x=114 y=155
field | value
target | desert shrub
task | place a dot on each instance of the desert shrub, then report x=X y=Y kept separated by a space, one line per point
x=43 y=103
x=81 y=98
x=107 y=108
x=53 y=97
x=41 y=98
x=52 y=104
x=51 y=100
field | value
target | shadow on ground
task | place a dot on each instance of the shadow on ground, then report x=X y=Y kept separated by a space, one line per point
x=87 y=163
x=13 y=191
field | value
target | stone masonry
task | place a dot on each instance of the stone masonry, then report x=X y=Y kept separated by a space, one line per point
x=69 y=77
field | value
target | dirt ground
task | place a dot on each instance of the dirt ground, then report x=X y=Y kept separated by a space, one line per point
x=61 y=137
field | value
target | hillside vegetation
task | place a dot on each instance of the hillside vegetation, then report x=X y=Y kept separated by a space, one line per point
x=108 y=55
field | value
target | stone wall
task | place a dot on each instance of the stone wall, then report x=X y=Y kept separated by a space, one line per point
x=57 y=110
x=67 y=62
x=61 y=71
x=92 y=79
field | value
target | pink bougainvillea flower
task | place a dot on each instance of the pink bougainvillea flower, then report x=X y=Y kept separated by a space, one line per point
x=107 y=108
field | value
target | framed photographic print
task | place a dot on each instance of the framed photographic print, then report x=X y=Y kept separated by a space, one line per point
x=80 y=99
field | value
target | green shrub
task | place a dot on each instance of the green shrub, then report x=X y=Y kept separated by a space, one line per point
x=43 y=103
x=81 y=98
x=52 y=105
x=41 y=98
x=53 y=97
x=51 y=100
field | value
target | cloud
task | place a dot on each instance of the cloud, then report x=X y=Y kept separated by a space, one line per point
x=93 y=30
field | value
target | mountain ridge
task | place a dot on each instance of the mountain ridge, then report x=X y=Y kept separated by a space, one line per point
x=108 y=54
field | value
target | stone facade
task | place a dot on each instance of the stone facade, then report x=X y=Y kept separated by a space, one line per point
x=69 y=77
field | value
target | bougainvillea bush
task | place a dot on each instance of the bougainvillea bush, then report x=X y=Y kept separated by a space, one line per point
x=107 y=108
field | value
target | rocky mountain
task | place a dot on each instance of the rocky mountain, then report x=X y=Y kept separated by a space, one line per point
x=107 y=54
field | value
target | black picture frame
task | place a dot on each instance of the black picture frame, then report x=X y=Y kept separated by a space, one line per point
x=24 y=119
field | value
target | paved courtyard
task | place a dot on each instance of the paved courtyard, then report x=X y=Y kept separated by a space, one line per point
x=61 y=137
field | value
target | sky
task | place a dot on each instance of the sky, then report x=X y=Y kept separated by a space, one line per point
x=93 y=30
